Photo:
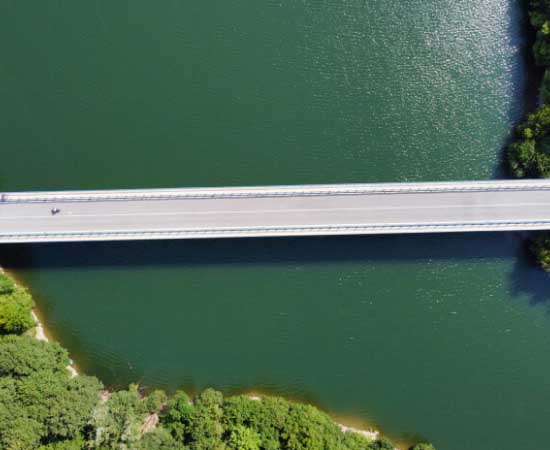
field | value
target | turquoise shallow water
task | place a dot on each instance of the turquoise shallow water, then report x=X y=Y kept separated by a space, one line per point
x=442 y=336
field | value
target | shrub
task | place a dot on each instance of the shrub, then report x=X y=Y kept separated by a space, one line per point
x=15 y=311
x=7 y=285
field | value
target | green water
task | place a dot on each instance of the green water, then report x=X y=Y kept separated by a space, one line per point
x=442 y=336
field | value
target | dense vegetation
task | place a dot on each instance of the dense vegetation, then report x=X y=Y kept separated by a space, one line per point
x=43 y=408
x=15 y=307
x=39 y=402
x=529 y=154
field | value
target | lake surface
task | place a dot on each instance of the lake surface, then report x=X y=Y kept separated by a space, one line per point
x=440 y=336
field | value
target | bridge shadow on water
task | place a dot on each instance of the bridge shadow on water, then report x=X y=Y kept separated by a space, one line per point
x=525 y=279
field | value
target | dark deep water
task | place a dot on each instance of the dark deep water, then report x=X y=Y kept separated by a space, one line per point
x=443 y=336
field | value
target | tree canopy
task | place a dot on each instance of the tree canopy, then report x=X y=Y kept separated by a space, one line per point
x=16 y=305
x=39 y=402
x=529 y=154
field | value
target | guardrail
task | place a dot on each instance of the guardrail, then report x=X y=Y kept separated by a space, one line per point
x=276 y=231
x=275 y=191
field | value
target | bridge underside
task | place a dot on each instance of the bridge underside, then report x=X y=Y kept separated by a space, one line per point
x=275 y=211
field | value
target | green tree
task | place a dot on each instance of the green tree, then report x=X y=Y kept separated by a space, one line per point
x=529 y=154
x=159 y=439
x=179 y=412
x=78 y=443
x=155 y=401
x=243 y=438
x=541 y=48
x=285 y=425
x=23 y=355
x=20 y=433
x=117 y=422
x=423 y=446
x=15 y=311
x=539 y=14
x=39 y=402
x=540 y=248
x=7 y=285
x=205 y=429
x=382 y=444
x=545 y=88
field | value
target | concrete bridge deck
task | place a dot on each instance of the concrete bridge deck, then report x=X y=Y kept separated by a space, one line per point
x=275 y=211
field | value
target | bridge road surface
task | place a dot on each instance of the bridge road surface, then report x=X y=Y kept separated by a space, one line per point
x=275 y=211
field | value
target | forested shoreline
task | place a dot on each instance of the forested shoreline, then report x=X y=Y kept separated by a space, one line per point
x=43 y=407
x=529 y=154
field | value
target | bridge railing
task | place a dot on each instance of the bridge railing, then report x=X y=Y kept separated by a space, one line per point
x=273 y=191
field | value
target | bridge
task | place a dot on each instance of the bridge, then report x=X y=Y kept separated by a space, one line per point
x=338 y=209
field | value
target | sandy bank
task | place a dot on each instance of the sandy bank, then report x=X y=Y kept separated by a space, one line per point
x=40 y=334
